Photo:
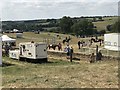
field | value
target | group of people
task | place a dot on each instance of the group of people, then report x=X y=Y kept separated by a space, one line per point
x=96 y=57
x=93 y=57
x=81 y=44
x=69 y=51
x=90 y=42
x=6 y=48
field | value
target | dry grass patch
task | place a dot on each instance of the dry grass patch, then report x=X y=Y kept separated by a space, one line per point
x=61 y=74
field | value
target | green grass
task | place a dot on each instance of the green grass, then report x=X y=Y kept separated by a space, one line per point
x=101 y=25
x=60 y=74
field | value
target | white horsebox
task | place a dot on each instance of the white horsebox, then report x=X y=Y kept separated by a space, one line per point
x=112 y=41
x=30 y=51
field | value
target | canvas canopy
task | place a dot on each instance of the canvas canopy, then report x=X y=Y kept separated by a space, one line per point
x=15 y=30
x=5 y=38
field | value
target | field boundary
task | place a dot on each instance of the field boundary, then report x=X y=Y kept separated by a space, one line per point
x=77 y=54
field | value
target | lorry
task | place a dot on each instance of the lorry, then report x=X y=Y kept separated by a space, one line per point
x=30 y=51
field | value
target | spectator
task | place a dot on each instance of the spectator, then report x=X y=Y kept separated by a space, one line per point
x=68 y=51
x=100 y=43
x=71 y=53
x=92 y=58
x=99 y=55
x=79 y=44
x=90 y=43
x=6 y=50
x=60 y=46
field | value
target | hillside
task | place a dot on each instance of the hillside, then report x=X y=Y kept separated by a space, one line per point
x=59 y=72
x=51 y=24
x=101 y=25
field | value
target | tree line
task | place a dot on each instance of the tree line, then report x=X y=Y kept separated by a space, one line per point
x=68 y=25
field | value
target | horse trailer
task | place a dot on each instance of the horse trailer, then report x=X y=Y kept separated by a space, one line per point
x=33 y=51
x=112 y=41
x=30 y=51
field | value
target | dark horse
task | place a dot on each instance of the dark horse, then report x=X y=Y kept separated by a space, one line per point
x=96 y=40
x=53 y=46
x=66 y=40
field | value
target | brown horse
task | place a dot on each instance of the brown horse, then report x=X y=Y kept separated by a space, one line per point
x=53 y=46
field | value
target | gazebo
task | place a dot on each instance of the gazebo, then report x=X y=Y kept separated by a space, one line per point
x=8 y=40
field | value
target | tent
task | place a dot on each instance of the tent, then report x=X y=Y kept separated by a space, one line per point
x=8 y=40
x=15 y=30
x=5 y=38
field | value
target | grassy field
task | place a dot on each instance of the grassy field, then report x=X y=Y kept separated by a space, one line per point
x=101 y=25
x=60 y=73
x=31 y=36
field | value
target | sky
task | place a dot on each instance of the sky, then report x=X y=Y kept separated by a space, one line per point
x=42 y=9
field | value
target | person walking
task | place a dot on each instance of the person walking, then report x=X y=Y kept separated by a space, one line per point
x=71 y=54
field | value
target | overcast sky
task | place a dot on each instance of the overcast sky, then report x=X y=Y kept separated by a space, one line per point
x=37 y=9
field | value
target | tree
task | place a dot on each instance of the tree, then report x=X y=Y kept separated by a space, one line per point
x=116 y=27
x=109 y=27
x=83 y=27
x=100 y=18
x=65 y=24
x=94 y=19
x=102 y=32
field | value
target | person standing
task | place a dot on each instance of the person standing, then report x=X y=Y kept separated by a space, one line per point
x=60 y=46
x=71 y=53
x=92 y=58
x=99 y=55
x=96 y=52
x=68 y=51
x=79 y=44
x=6 y=49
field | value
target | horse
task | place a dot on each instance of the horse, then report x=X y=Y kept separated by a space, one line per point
x=97 y=40
x=66 y=40
x=53 y=46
